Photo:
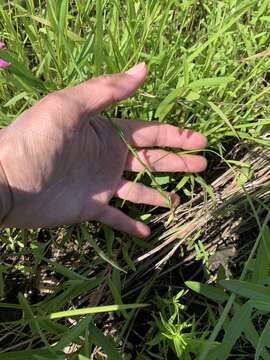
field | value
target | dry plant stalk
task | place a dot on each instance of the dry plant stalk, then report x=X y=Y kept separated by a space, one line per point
x=221 y=216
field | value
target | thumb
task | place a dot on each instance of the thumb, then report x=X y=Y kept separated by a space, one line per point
x=97 y=94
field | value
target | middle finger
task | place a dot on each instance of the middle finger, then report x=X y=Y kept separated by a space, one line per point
x=161 y=160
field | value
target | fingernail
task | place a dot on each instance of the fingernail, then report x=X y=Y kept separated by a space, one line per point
x=136 y=70
x=145 y=232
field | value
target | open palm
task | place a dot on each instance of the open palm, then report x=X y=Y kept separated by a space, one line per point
x=62 y=163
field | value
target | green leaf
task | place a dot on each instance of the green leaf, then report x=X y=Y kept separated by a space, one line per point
x=251 y=333
x=105 y=343
x=219 y=112
x=115 y=291
x=167 y=104
x=192 y=96
x=98 y=51
x=28 y=314
x=22 y=72
x=69 y=291
x=2 y=285
x=94 y=310
x=63 y=16
x=262 y=262
x=73 y=334
x=109 y=237
x=211 y=292
x=15 y=99
x=161 y=180
x=261 y=305
x=233 y=331
x=82 y=357
x=248 y=290
x=127 y=258
x=70 y=34
x=32 y=354
x=53 y=327
x=211 y=82
x=100 y=252
x=32 y=320
x=263 y=341
x=69 y=274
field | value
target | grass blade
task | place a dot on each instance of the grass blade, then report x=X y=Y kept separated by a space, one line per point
x=98 y=52
x=99 y=251
x=94 y=310
x=105 y=343
x=211 y=292
x=237 y=324
x=264 y=340
x=247 y=289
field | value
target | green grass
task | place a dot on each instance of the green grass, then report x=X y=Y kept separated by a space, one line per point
x=204 y=74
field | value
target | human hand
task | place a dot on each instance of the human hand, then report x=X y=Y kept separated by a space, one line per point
x=63 y=163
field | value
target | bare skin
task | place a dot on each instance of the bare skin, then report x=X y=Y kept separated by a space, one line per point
x=62 y=163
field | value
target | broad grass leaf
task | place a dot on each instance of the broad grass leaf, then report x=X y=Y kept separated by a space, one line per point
x=63 y=270
x=2 y=285
x=211 y=292
x=167 y=104
x=207 y=188
x=31 y=319
x=109 y=238
x=28 y=314
x=10 y=306
x=247 y=289
x=99 y=251
x=98 y=50
x=63 y=17
x=73 y=334
x=82 y=357
x=252 y=335
x=161 y=180
x=262 y=262
x=127 y=258
x=261 y=305
x=210 y=82
x=94 y=310
x=52 y=14
x=32 y=354
x=219 y=112
x=121 y=62
x=16 y=98
x=182 y=182
x=52 y=327
x=263 y=341
x=105 y=343
x=70 y=34
x=116 y=294
x=186 y=71
x=236 y=326
x=192 y=96
x=69 y=291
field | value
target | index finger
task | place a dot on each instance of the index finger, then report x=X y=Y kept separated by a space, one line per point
x=147 y=134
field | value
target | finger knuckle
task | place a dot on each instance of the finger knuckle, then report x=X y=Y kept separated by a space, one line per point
x=110 y=86
x=56 y=98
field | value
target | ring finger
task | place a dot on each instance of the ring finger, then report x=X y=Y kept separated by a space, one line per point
x=141 y=194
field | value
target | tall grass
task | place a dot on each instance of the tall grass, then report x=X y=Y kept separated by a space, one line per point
x=208 y=67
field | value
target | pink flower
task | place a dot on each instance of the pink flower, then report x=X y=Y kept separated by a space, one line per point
x=3 y=63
